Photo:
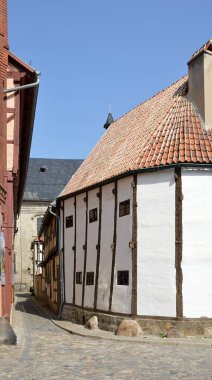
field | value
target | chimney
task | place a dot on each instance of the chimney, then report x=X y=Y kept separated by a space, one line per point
x=200 y=81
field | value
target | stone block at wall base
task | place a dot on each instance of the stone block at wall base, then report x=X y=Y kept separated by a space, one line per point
x=129 y=327
x=92 y=323
x=7 y=335
x=150 y=326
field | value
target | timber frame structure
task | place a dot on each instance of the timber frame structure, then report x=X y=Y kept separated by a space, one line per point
x=148 y=184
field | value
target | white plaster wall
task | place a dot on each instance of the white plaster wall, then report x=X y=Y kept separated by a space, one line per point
x=156 y=244
x=93 y=202
x=121 y=301
x=80 y=241
x=197 y=243
x=69 y=253
x=105 y=264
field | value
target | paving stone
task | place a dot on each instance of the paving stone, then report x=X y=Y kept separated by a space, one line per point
x=45 y=351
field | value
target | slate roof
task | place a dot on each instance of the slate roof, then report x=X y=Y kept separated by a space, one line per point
x=47 y=185
x=166 y=129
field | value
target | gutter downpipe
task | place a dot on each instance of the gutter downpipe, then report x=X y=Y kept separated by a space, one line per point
x=25 y=86
x=61 y=259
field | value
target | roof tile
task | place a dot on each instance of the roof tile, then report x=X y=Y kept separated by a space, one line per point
x=163 y=130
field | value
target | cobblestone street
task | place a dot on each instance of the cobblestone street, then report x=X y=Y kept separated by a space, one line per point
x=44 y=351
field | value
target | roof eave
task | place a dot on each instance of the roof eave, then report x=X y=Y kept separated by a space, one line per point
x=45 y=223
x=24 y=161
x=135 y=171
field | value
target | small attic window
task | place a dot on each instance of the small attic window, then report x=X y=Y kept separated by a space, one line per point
x=43 y=169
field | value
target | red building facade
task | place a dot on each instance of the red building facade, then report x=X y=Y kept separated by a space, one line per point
x=3 y=143
x=17 y=111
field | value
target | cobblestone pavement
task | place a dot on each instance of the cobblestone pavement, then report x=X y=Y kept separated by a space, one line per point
x=44 y=351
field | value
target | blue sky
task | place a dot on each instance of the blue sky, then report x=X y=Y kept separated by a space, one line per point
x=95 y=52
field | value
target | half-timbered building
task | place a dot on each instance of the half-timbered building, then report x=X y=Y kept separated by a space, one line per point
x=47 y=282
x=136 y=217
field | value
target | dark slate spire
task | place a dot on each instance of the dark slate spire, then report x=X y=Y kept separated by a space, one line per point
x=109 y=120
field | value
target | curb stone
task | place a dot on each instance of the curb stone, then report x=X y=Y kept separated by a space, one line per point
x=105 y=335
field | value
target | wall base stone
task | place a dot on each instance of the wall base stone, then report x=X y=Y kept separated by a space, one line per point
x=7 y=335
x=151 y=326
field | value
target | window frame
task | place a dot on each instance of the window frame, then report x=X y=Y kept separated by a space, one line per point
x=124 y=208
x=93 y=215
x=121 y=279
x=90 y=278
x=69 y=219
x=78 y=278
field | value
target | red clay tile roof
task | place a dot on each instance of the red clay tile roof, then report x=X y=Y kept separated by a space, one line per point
x=164 y=130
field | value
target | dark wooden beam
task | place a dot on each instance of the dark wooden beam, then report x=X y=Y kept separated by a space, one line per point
x=85 y=248
x=74 y=248
x=178 y=242
x=98 y=248
x=64 y=279
x=134 y=247
x=115 y=192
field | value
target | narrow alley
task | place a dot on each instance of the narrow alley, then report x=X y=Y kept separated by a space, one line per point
x=44 y=351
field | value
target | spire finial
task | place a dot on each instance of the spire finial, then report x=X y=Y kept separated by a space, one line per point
x=109 y=118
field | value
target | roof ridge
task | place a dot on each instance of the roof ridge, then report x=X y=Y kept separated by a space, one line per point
x=152 y=97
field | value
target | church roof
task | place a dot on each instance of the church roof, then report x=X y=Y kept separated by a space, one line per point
x=47 y=177
x=166 y=129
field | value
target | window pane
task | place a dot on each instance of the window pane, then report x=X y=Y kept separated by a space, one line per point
x=78 y=277
x=90 y=278
x=124 y=208
x=123 y=277
x=93 y=215
x=69 y=221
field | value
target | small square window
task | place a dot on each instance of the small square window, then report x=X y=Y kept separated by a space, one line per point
x=69 y=221
x=93 y=215
x=124 y=208
x=123 y=277
x=90 y=278
x=78 y=277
